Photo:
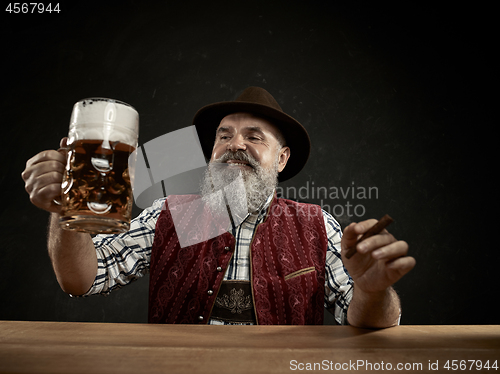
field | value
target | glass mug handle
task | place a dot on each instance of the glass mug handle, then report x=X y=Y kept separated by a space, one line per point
x=64 y=152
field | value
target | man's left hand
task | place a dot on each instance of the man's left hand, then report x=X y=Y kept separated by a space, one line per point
x=380 y=261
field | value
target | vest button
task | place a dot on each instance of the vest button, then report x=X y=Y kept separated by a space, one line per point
x=210 y=292
x=227 y=248
x=200 y=318
x=219 y=268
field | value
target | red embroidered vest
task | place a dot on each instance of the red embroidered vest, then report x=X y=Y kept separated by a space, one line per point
x=287 y=259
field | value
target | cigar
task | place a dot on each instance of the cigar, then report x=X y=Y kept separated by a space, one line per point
x=374 y=230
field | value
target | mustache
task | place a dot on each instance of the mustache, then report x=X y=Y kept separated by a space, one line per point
x=238 y=156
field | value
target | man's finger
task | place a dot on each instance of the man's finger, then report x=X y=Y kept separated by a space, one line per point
x=363 y=226
x=64 y=142
x=43 y=197
x=374 y=242
x=391 y=251
x=401 y=266
x=353 y=232
x=34 y=172
x=49 y=155
x=349 y=231
x=45 y=179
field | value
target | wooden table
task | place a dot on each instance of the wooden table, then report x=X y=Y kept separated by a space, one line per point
x=62 y=347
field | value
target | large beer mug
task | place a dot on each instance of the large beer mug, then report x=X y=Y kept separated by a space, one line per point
x=96 y=194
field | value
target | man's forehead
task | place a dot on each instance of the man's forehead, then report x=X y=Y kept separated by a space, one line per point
x=223 y=128
x=248 y=120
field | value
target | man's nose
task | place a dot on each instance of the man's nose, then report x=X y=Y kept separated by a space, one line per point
x=237 y=143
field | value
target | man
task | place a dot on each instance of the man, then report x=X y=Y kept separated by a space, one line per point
x=277 y=266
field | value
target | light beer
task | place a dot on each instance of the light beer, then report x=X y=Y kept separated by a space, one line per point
x=96 y=193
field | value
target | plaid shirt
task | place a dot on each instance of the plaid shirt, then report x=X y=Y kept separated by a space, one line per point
x=125 y=257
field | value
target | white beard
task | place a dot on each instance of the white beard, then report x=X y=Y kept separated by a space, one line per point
x=245 y=191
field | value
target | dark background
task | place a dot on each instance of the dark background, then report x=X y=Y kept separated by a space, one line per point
x=392 y=97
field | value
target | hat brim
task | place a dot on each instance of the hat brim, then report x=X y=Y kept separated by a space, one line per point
x=208 y=118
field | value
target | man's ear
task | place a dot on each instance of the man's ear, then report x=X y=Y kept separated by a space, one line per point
x=283 y=157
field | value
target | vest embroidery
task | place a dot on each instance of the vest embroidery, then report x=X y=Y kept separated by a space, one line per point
x=236 y=301
x=287 y=262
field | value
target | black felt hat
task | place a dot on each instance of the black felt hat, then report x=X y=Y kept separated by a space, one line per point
x=257 y=101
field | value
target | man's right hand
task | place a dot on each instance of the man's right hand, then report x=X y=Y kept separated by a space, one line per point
x=72 y=253
x=43 y=177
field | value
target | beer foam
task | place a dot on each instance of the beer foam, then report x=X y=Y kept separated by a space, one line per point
x=107 y=119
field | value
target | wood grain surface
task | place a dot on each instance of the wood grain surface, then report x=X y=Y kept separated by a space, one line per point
x=66 y=347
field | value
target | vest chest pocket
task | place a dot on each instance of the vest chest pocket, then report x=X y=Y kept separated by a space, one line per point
x=300 y=272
